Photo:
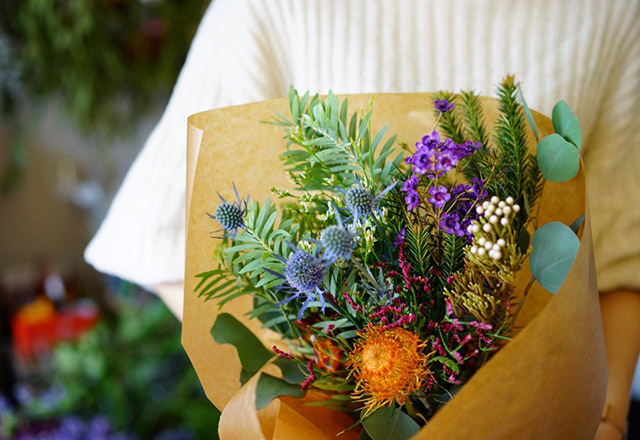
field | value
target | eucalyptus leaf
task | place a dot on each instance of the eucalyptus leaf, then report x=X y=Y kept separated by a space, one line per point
x=364 y=436
x=558 y=159
x=566 y=124
x=228 y=330
x=270 y=387
x=575 y=226
x=383 y=425
x=555 y=247
x=527 y=112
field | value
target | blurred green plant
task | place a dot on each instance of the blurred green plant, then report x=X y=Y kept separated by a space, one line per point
x=135 y=372
x=106 y=59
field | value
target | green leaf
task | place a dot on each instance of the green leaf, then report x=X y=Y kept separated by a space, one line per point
x=527 y=112
x=566 y=124
x=555 y=247
x=228 y=330
x=575 y=226
x=270 y=387
x=290 y=370
x=558 y=159
x=383 y=425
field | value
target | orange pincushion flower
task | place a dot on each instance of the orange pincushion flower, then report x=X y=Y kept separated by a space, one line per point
x=388 y=366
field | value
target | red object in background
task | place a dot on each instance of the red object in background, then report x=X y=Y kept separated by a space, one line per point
x=38 y=326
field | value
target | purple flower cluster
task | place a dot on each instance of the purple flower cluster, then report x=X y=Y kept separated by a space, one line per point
x=435 y=157
x=465 y=200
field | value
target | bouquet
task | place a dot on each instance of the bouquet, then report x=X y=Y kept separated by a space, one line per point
x=387 y=276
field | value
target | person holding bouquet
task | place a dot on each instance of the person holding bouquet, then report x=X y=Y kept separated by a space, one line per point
x=248 y=50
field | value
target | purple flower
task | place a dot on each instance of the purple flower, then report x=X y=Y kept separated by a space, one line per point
x=477 y=189
x=399 y=237
x=445 y=162
x=430 y=141
x=443 y=106
x=422 y=161
x=410 y=183
x=439 y=196
x=468 y=148
x=412 y=199
x=449 y=223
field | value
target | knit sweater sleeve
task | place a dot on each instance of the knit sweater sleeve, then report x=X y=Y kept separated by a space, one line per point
x=142 y=237
x=612 y=158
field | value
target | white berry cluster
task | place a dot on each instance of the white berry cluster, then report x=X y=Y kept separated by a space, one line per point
x=491 y=230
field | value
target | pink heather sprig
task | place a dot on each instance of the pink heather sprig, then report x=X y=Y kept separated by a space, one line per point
x=405 y=319
x=437 y=346
x=387 y=309
x=452 y=375
x=449 y=306
x=311 y=378
x=464 y=341
x=353 y=305
x=482 y=327
x=281 y=353
x=405 y=266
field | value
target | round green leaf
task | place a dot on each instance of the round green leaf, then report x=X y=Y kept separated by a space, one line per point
x=558 y=160
x=555 y=247
x=566 y=124
x=385 y=424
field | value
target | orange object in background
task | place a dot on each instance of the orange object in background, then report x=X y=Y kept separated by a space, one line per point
x=38 y=326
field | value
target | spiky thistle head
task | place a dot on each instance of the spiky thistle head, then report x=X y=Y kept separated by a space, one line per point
x=388 y=366
x=337 y=242
x=360 y=202
x=230 y=215
x=304 y=272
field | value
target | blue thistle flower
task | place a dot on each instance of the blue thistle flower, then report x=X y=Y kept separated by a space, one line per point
x=361 y=203
x=337 y=241
x=304 y=274
x=230 y=215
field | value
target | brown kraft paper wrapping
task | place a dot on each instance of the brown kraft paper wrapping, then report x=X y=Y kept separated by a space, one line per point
x=548 y=383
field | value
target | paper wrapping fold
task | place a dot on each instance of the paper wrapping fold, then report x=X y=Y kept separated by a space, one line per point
x=549 y=382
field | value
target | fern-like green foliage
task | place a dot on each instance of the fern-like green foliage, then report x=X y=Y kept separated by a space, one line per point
x=481 y=163
x=418 y=247
x=327 y=148
x=255 y=249
x=521 y=177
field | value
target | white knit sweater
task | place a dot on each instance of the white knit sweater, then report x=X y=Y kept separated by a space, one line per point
x=584 y=51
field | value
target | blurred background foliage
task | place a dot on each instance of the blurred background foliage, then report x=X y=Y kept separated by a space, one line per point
x=88 y=76
x=107 y=60
x=128 y=376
